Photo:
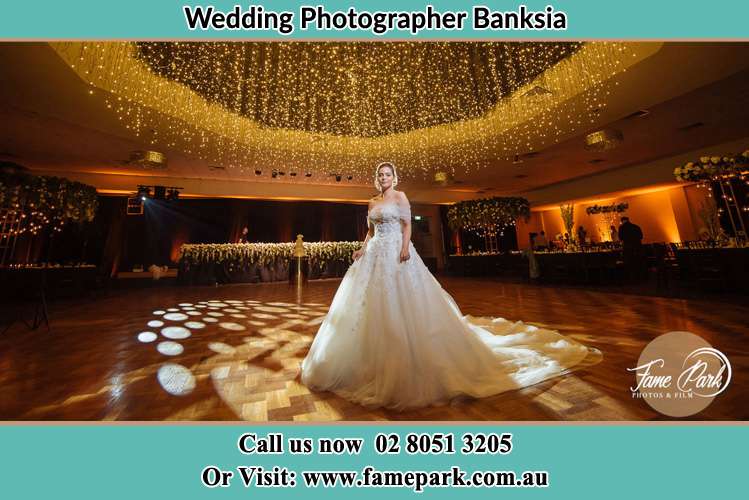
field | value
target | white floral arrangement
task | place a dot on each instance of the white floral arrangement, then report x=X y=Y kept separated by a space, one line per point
x=713 y=167
x=318 y=253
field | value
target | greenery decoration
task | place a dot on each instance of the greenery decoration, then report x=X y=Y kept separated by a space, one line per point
x=45 y=201
x=245 y=254
x=568 y=217
x=487 y=215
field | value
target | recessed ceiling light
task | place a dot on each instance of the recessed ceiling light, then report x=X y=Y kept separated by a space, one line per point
x=691 y=126
x=640 y=113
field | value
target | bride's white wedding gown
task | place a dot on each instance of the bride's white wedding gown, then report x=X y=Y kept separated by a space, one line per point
x=394 y=338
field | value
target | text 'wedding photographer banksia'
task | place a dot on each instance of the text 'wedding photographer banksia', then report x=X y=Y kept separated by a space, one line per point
x=318 y=18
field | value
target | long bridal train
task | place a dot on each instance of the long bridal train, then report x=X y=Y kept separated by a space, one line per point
x=394 y=338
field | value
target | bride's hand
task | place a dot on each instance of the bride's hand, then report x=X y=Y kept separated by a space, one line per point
x=405 y=255
x=357 y=254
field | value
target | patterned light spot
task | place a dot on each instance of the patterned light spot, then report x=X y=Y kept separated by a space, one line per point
x=231 y=310
x=271 y=309
x=221 y=348
x=210 y=320
x=176 y=379
x=154 y=323
x=238 y=315
x=258 y=323
x=232 y=326
x=195 y=325
x=175 y=332
x=175 y=316
x=221 y=372
x=185 y=304
x=147 y=337
x=158 y=313
x=194 y=313
x=170 y=348
x=264 y=316
x=188 y=308
x=216 y=314
x=201 y=306
x=173 y=309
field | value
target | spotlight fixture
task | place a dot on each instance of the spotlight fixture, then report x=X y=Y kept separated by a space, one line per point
x=159 y=192
x=338 y=178
x=172 y=194
x=281 y=172
x=292 y=174
x=308 y=174
x=144 y=192
x=274 y=174
x=258 y=172
x=350 y=177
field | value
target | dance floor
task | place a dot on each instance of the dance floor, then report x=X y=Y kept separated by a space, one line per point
x=233 y=353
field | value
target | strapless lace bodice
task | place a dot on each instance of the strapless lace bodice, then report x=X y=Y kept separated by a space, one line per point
x=386 y=219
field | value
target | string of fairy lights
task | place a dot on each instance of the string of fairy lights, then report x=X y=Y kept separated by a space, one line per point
x=341 y=107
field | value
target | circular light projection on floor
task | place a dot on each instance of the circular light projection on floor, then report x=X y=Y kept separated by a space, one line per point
x=195 y=325
x=188 y=308
x=176 y=379
x=243 y=308
x=210 y=320
x=147 y=337
x=173 y=309
x=272 y=309
x=231 y=310
x=169 y=348
x=235 y=327
x=257 y=323
x=281 y=304
x=216 y=314
x=175 y=316
x=154 y=323
x=185 y=304
x=175 y=332
x=221 y=348
x=233 y=301
x=217 y=304
x=264 y=316
x=238 y=315
x=201 y=306
x=159 y=313
x=194 y=313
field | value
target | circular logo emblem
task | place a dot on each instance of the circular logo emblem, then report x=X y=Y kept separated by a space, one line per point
x=679 y=374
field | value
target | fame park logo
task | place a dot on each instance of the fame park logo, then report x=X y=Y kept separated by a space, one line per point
x=679 y=374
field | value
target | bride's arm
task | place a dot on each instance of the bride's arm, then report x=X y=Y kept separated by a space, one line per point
x=405 y=216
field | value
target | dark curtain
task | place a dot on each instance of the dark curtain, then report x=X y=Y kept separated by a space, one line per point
x=118 y=242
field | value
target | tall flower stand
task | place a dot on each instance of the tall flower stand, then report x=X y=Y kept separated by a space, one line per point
x=298 y=270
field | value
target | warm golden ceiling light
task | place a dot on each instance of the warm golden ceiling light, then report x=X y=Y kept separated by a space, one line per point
x=603 y=140
x=447 y=106
x=150 y=160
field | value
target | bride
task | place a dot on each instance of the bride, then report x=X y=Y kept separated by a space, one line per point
x=394 y=338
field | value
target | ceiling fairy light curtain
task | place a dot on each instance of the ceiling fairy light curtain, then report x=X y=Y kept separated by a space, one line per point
x=330 y=107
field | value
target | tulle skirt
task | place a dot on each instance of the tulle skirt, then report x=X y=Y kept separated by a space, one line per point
x=394 y=338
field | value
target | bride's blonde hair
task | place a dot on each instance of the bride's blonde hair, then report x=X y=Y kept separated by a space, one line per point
x=392 y=169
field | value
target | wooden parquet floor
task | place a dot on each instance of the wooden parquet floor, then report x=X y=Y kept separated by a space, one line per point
x=233 y=353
